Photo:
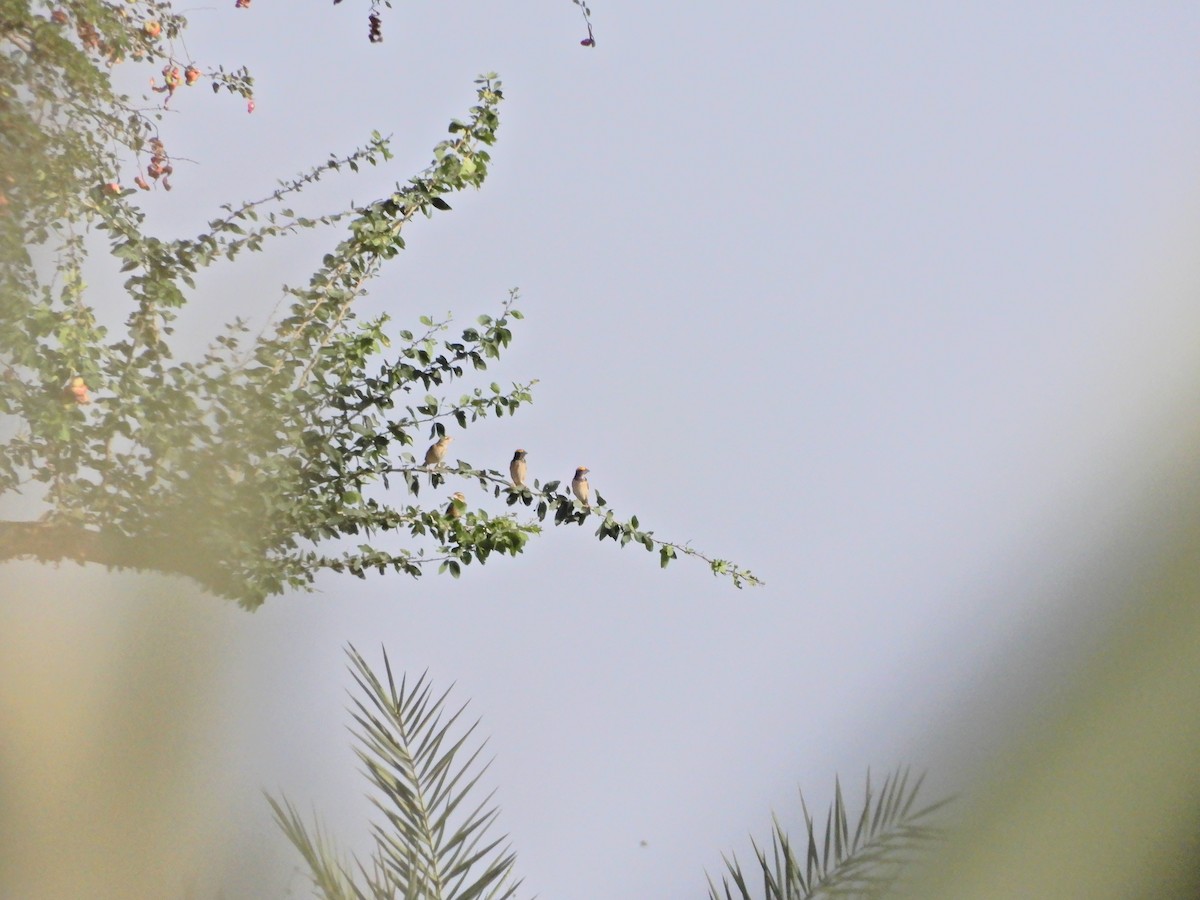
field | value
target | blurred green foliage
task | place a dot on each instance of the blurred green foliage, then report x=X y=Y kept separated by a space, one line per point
x=256 y=466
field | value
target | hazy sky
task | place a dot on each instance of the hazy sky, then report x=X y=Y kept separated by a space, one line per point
x=867 y=297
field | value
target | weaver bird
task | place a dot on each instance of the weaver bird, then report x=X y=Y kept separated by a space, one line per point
x=437 y=452
x=458 y=502
x=579 y=484
x=516 y=469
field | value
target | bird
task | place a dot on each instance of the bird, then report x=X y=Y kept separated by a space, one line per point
x=457 y=502
x=516 y=469
x=437 y=452
x=579 y=484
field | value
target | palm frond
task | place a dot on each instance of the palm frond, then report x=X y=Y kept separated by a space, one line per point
x=430 y=845
x=407 y=749
x=855 y=863
x=329 y=876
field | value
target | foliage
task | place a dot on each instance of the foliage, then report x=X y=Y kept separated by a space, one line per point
x=862 y=864
x=67 y=130
x=417 y=758
x=238 y=469
x=430 y=845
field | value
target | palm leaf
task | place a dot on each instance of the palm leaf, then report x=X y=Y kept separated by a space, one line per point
x=859 y=863
x=329 y=876
x=430 y=844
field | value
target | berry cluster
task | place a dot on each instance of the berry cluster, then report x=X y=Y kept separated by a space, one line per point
x=158 y=169
x=173 y=77
x=77 y=391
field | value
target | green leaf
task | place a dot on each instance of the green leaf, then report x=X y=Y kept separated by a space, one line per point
x=888 y=836
x=415 y=752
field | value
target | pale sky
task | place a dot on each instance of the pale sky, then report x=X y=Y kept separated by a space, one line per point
x=874 y=299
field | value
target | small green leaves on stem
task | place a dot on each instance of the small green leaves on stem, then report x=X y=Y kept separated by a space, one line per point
x=549 y=502
x=231 y=468
x=241 y=468
x=590 y=40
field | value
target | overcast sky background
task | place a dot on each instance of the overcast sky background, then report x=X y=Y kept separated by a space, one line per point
x=874 y=299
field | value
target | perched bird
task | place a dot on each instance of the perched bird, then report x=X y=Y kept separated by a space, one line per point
x=579 y=484
x=437 y=452
x=457 y=502
x=516 y=469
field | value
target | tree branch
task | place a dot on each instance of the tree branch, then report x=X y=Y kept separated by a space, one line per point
x=57 y=541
